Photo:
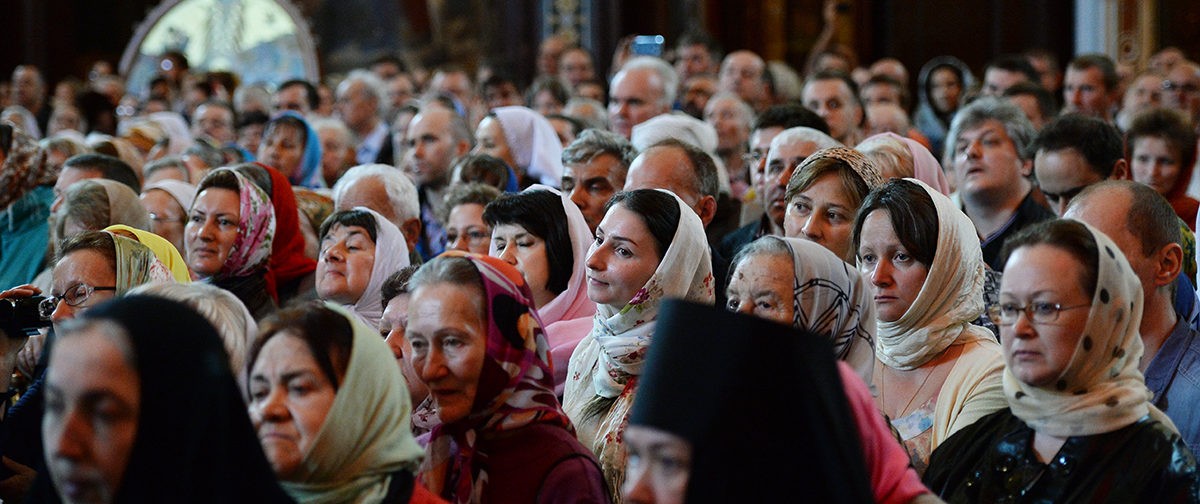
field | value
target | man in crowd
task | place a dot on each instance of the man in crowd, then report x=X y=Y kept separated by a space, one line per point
x=436 y=137
x=1004 y=71
x=745 y=74
x=386 y=190
x=644 y=88
x=1073 y=152
x=594 y=168
x=297 y=95
x=1091 y=86
x=360 y=100
x=215 y=120
x=834 y=97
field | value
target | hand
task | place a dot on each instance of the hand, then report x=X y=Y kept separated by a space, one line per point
x=27 y=358
x=20 y=291
x=17 y=485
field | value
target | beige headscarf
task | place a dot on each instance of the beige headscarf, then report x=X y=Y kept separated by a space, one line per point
x=366 y=434
x=1101 y=389
x=950 y=299
x=124 y=207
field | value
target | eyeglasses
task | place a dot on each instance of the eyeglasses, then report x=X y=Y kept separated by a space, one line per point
x=76 y=295
x=1038 y=312
x=1177 y=86
x=474 y=237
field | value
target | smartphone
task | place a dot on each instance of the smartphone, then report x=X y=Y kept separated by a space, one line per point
x=648 y=45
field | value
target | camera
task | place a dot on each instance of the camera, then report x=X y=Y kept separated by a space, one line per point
x=24 y=316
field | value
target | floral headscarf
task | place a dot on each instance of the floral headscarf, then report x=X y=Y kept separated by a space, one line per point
x=256 y=230
x=136 y=265
x=164 y=250
x=515 y=343
x=24 y=168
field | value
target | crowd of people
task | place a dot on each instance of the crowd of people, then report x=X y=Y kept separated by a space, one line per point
x=696 y=277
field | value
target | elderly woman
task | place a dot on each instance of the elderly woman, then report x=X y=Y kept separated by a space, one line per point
x=291 y=146
x=1079 y=426
x=525 y=140
x=545 y=237
x=902 y=157
x=823 y=196
x=131 y=416
x=359 y=250
x=95 y=204
x=222 y=309
x=475 y=339
x=331 y=409
x=936 y=372
x=650 y=246
x=167 y=202
x=228 y=238
x=465 y=228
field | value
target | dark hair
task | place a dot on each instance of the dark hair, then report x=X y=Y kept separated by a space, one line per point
x=258 y=175
x=1014 y=63
x=1065 y=234
x=884 y=80
x=551 y=84
x=99 y=241
x=659 y=212
x=838 y=76
x=310 y=91
x=496 y=80
x=1169 y=125
x=790 y=116
x=541 y=213
x=352 y=217
x=327 y=334
x=389 y=58
x=251 y=118
x=221 y=178
x=110 y=168
x=482 y=168
x=6 y=138
x=1045 y=101
x=954 y=69
x=577 y=126
x=290 y=122
x=1101 y=62
x=1098 y=141
x=397 y=283
x=912 y=213
x=700 y=38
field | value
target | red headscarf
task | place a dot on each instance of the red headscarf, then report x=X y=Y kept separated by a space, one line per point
x=288 y=261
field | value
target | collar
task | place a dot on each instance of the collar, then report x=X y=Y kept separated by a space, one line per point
x=1163 y=368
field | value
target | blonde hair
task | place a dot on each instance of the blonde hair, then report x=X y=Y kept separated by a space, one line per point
x=891 y=156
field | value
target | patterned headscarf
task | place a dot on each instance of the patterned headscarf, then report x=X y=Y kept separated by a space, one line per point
x=24 y=168
x=534 y=145
x=850 y=157
x=1101 y=389
x=164 y=250
x=256 y=230
x=950 y=299
x=831 y=298
x=136 y=265
x=517 y=345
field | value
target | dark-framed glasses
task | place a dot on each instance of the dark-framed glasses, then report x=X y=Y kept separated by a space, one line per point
x=74 y=296
x=1038 y=312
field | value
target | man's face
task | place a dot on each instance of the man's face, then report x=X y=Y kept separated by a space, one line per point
x=1108 y=211
x=636 y=96
x=456 y=84
x=996 y=81
x=986 y=159
x=665 y=168
x=782 y=161
x=1181 y=90
x=1145 y=92
x=693 y=60
x=503 y=95
x=27 y=88
x=733 y=129
x=1029 y=105
x=1084 y=92
x=760 y=143
x=215 y=122
x=1061 y=174
x=575 y=66
x=831 y=99
x=430 y=148
x=742 y=74
x=357 y=107
x=880 y=93
x=591 y=184
x=66 y=178
x=293 y=98
x=400 y=90
x=696 y=93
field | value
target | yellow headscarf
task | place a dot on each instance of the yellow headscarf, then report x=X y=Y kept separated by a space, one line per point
x=166 y=252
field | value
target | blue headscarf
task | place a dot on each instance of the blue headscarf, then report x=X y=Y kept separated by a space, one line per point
x=310 y=163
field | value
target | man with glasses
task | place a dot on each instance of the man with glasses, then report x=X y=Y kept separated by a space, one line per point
x=1181 y=90
x=1144 y=227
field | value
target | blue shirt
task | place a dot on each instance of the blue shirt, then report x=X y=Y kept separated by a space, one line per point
x=1174 y=378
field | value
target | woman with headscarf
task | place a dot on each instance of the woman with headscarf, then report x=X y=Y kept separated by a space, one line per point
x=544 y=236
x=25 y=196
x=291 y=273
x=291 y=146
x=228 y=238
x=526 y=141
x=163 y=250
x=359 y=250
x=168 y=201
x=1079 y=426
x=649 y=247
x=346 y=438
x=902 y=157
x=823 y=195
x=941 y=85
x=174 y=427
x=475 y=339
x=95 y=204
x=936 y=372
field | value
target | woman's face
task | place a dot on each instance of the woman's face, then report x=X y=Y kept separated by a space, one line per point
x=466 y=230
x=526 y=251
x=1156 y=163
x=944 y=89
x=212 y=229
x=392 y=326
x=347 y=258
x=896 y=276
x=622 y=258
x=73 y=275
x=289 y=399
x=1038 y=353
x=760 y=286
x=447 y=342
x=657 y=466
x=823 y=214
x=283 y=149
x=93 y=402
x=166 y=215
x=489 y=139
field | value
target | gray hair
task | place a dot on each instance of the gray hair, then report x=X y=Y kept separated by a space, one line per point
x=704 y=168
x=767 y=245
x=372 y=85
x=254 y=94
x=591 y=112
x=745 y=113
x=166 y=163
x=88 y=203
x=595 y=142
x=447 y=269
x=666 y=74
x=804 y=134
x=401 y=193
x=220 y=307
x=1016 y=124
x=336 y=125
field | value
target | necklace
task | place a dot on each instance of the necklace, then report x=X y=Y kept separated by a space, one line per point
x=883 y=390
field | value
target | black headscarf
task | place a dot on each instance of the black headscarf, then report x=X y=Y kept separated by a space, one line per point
x=761 y=403
x=194 y=440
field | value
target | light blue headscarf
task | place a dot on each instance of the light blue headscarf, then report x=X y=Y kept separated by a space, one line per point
x=310 y=163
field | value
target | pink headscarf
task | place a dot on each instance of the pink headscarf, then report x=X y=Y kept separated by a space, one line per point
x=533 y=143
x=926 y=167
x=252 y=247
